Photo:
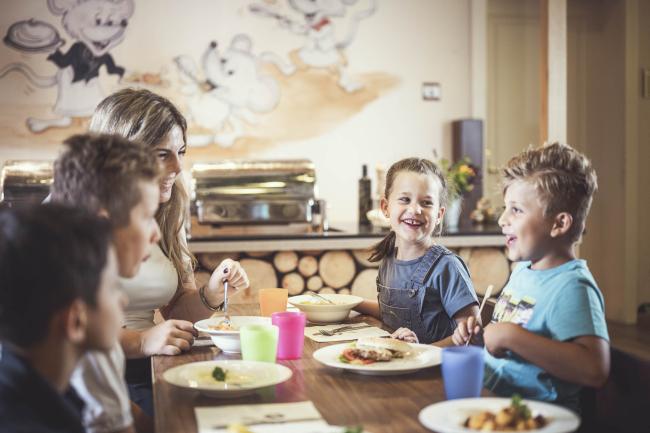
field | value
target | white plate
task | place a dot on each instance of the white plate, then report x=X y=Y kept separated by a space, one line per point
x=228 y=341
x=449 y=416
x=422 y=356
x=326 y=313
x=251 y=375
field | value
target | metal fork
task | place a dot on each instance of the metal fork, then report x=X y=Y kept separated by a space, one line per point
x=332 y=332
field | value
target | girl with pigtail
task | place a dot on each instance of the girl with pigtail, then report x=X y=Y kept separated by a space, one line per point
x=423 y=289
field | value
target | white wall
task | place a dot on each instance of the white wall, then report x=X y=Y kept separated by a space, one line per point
x=513 y=84
x=412 y=40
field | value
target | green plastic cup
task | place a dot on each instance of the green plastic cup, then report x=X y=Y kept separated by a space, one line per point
x=259 y=342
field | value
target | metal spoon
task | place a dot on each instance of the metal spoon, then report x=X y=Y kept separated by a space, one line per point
x=226 y=318
x=321 y=297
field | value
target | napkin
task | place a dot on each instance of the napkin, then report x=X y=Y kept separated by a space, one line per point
x=300 y=417
x=312 y=332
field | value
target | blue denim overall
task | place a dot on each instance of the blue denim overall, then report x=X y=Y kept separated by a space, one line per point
x=417 y=306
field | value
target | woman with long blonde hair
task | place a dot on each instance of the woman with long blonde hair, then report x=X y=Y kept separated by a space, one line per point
x=166 y=280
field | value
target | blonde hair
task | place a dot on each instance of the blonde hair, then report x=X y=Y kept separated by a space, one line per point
x=386 y=247
x=146 y=117
x=563 y=177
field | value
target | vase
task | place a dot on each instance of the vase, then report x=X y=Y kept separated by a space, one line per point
x=452 y=214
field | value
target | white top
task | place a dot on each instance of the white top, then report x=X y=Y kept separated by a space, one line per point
x=99 y=381
x=152 y=288
x=99 y=377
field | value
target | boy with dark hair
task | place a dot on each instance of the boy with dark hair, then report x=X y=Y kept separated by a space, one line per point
x=548 y=336
x=50 y=317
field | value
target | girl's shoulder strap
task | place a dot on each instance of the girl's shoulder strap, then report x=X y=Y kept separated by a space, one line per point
x=428 y=262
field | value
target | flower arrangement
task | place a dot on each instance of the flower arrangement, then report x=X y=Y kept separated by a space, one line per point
x=460 y=176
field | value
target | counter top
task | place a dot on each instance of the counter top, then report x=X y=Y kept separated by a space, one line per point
x=340 y=236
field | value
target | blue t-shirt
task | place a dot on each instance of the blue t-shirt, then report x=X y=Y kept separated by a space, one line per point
x=561 y=303
x=424 y=294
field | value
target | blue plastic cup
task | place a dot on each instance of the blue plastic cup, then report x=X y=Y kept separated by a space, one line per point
x=462 y=371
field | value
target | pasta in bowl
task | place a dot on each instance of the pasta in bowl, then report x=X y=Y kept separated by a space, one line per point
x=225 y=335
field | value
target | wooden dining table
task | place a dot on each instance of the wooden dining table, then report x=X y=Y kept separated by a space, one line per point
x=381 y=404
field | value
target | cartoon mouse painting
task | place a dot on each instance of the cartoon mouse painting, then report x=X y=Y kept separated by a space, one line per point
x=234 y=88
x=96 y=27
x=322 y=49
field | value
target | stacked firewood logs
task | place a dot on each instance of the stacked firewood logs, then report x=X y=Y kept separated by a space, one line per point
x=338 y=271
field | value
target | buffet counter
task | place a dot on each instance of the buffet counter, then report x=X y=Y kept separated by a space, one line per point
x=300 y=258
x=340 y=236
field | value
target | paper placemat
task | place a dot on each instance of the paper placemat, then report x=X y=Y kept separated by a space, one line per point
x=263 y=418
x=313 y=333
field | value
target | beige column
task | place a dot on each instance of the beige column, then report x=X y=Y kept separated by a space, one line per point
x=553 y=71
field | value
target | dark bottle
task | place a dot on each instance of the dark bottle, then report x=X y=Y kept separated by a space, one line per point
x=365 y=197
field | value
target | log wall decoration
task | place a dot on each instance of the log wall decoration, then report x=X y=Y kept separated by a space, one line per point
x=339 y=271
x=337 y=268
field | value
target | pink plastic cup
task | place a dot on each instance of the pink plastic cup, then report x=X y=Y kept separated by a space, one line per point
x=292 y=333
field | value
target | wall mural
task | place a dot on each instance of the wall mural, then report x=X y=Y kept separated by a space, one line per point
x=237 y=99
x=95 y=27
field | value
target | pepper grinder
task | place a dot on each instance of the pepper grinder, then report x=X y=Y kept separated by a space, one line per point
x=365 y=196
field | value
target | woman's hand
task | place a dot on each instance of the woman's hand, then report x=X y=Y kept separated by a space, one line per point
x=406 y=335
x=231 y=271
x=466 y=330
x=168 y=338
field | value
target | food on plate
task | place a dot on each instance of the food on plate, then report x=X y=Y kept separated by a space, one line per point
x=224 y=326
x=374 y=349
x=317 y=301
x=516 y=417
x=219 y=374
x=238 y=428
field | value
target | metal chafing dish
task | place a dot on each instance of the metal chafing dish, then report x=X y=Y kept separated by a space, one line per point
x=25 y=182
x=254 y=192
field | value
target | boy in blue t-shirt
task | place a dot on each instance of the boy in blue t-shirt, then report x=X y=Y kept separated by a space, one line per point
x=548 y=335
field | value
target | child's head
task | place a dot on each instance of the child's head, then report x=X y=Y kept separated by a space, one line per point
x=551 y=188
x=110 y=175
x=58 y=275
x=414 y=201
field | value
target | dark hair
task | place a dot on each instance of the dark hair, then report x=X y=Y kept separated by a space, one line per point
x=50 y=255
x=101 y=171
x=386 y=247
x=564 y=179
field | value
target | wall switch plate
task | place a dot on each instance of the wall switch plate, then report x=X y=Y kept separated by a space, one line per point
x=431 y=91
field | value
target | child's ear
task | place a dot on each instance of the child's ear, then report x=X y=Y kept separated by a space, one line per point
x=383 y=204
x=103 y=213
x=76 y=321
x=561 y=224
x=441 y=214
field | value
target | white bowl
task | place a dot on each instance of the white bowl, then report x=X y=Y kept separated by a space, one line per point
x=326 y=313
x=228 y=341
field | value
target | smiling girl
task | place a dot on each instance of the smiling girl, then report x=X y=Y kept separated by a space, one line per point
x=423 y=288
